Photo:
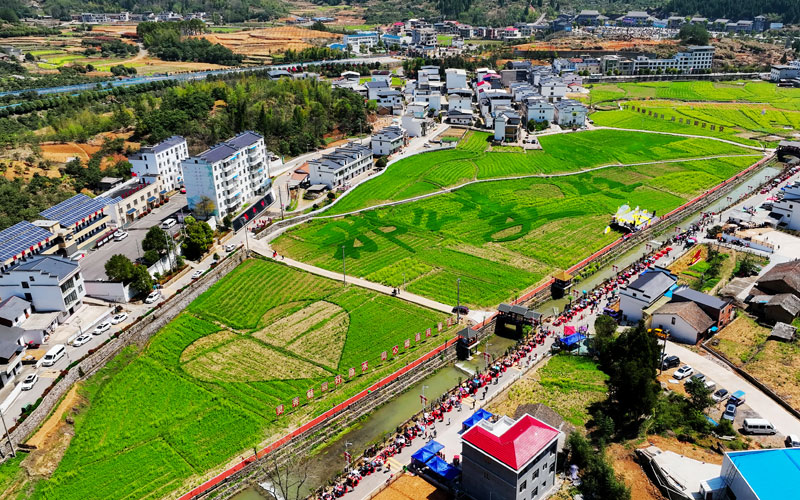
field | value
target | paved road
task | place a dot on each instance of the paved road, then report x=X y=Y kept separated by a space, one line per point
x=195 y=75
x=447 y=435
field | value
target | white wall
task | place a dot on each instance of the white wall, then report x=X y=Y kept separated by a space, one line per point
x=631 y=307
x=680 y=330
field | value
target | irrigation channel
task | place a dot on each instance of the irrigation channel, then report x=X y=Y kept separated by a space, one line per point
x=636 y=253
x=328 y=461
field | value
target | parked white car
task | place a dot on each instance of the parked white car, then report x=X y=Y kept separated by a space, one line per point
x=120 y=235
x=230 y=247
x=198 y=273
x=29 y=382
x=168 y=223
x=102 y=327
x=119 y=318
x=683 y=372
x=154 y=296
x=83 y=339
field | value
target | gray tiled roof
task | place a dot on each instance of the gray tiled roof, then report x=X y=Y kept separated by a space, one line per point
x=13 y=307
x=164 y=145
x=699 y=298
x=689 y=312
x=245 y=139
x=48 y=264
x=652 y=283
x=217 y=153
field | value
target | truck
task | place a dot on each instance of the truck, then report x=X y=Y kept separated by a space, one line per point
x=737 y=398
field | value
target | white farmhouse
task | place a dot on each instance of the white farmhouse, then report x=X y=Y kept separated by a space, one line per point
x=388 y=140
x=336 y=168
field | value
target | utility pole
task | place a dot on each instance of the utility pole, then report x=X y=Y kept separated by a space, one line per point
x=458 y=300
x=344 y=274
x=422 y=399
x=8 y=436
x=246 y=241
x=280 y=196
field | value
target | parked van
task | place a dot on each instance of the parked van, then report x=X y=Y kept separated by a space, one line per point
x=54 y=354
x=758 y=426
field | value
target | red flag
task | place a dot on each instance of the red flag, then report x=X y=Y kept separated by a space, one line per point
x=279 y=410
x=310 y=394
x=295 y=402
x=428 y=332
x=417 y=337
x=383 y=356
x=439 y=327
x=351 y=372
x=364 y=367
x=395 y=350
x=407 y=343
x=337 y=380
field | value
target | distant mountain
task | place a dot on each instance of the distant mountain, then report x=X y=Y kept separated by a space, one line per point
x=230 y=10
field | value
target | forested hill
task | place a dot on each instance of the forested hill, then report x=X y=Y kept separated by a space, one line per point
x=230 y=10
x=787 y=11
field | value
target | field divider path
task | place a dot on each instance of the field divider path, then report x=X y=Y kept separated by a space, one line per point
x=512 y=178
x=676 y=134
x=263 y=248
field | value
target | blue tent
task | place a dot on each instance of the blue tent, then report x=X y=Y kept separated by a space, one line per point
x=426 y=452
x=442 y=468
x=572 y=339
x=476 y=417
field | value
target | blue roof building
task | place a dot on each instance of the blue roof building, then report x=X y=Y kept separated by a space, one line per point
x=756 y=475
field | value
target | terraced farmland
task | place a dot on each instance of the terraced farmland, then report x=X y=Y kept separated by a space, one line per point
x=501 y=237
x=206 y=387
x=429 y=172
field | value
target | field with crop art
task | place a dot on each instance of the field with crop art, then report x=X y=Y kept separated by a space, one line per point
x=206 y=388
x=502 y=237
x=429 y=172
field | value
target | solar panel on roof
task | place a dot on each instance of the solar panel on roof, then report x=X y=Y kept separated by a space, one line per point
x=21 y=237
x=75 y=209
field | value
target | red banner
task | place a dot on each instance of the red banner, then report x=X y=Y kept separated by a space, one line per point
x=351 y=372
x=428 y=332
x=295 y=402
x=439 y=327
x=449 y=321
x=407 y=343
x=279 y=410
x=337 y=380
x=395 y=350
x=324 y=387
x=364 y=367
x=384 y=356
x=417 y=337
x=310 y=394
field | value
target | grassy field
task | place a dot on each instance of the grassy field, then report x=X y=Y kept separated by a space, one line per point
x=749 y=91
x=526 y=228
x=429 y=172
x=567 y=384
x=775 y=363
x=752 y=124
x=444 y=40
x=206 y=387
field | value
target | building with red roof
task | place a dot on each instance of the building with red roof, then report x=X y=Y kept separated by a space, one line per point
x=510 y=460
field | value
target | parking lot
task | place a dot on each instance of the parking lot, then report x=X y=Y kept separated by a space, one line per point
x=93 y=265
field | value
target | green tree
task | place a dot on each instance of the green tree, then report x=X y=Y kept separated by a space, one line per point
x=694 y=34
x=156 y=239
x=119 y=268
x=632 y=374
x=699 y=394
x=205 y=208
x=605 y=327
x=151 y=257
x=141 y=279
x=199 y=237
x=381 y=163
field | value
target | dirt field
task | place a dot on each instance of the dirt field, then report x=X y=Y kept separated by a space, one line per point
x=21 y=170
x=408 y=487
x=774 y=363
x=642 y=488
x=266 y=41
x=592 y=44
x=64 y=152
x=116 y=29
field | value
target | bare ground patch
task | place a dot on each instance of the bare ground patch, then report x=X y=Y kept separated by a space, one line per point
x=247 y=360
x=282 y=332
x=324 y=345
x=207 y=343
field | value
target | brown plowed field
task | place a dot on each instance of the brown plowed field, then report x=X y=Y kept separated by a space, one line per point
x=267 y=41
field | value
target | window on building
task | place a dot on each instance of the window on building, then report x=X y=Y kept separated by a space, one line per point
x=673 y=320
x=535 y=492
x=535 y=474
x=25 y=284
x=523 y=485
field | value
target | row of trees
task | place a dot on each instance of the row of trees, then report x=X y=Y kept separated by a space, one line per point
x=232 y=12
x=786 y=10
x=312 y=54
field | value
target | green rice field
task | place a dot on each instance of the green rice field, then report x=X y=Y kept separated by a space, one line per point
x=742 y=91
x=429 y=172
x=500 y=238
x=752 y=124
x=205 y=389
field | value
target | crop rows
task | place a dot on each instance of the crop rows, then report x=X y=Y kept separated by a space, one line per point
x=150 y=425
x=525 y=228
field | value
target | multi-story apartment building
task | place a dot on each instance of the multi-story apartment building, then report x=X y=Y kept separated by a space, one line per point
x=228 y=174
x=336 y=168
x=163 y=159
x=78 y=222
